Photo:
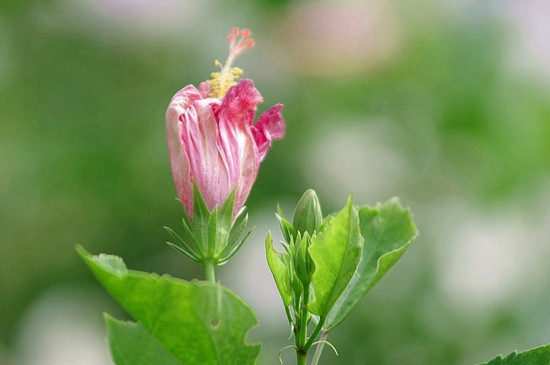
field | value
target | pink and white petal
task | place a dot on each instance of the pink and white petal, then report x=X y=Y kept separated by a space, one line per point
x=270 y=125
x=241 y=100
x=233 y=116
x=179 y=162
x=272 y=121
x=204 y=89
x=207 y=166
x=219 y=181
x=262 y=140
x=238 y=150
x=249 y=171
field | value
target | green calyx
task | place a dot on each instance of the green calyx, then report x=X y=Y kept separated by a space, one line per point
x=211 y=237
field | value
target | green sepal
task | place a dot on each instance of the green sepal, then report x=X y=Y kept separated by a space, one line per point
x=296 y=285
x=278 y=264
x=200 y=222
x=302 y=261
x=286 y=227
x=187 y=227
x=224 y=223
x=235 y=248
x=240 y=222
x=387 y=230
x=199 y=323
x=181 y=245
x=336 y=252
x=184 y=252
x=213 y=236
x=536 y=356
x=236 y=239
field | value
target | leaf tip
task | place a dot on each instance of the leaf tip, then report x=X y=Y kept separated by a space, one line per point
x=81 y=251
x=109 y=320
x=350 y=200
x=111 y=263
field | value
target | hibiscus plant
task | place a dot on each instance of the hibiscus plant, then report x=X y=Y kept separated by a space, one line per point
x=322 y=270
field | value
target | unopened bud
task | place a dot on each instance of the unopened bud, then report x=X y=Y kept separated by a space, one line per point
x=308 y=216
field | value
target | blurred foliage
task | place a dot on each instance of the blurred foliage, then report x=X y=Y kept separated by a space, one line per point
x=84 y=157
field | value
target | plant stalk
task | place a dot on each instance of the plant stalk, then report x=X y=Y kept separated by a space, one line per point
x=315 y=333
x=301 y=339
x=301 y=357
x=209 y=269
x=319 y=349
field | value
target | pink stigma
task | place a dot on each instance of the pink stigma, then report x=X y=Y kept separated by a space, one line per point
x=239 y=41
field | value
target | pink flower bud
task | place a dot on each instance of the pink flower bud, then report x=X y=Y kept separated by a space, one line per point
x=214 y=143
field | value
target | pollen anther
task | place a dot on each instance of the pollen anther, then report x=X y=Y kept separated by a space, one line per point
x=221 y=81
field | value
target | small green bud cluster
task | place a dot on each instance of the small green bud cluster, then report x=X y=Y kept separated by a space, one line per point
x=330 y=263
x=295 y=265
x=306 y=223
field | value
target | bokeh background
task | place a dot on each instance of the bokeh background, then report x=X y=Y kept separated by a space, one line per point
x=445 y=104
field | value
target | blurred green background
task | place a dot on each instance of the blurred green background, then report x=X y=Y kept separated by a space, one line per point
x=445 y=104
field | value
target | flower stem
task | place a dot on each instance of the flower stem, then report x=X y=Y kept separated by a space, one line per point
x=301 y=339
x=209 y=268
x=319 y=349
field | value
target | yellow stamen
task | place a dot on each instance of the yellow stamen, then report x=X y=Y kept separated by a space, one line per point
x=227 y=76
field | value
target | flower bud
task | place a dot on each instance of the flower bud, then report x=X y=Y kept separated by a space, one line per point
x=303 y=264
x=308 y=216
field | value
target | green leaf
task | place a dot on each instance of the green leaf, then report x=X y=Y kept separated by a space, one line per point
x=537 y=356
x=387 y=230
x=335 y=252
x=131 y=344
x=277 y=263
x=198 y=322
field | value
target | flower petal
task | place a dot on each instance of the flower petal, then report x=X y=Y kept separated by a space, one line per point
x=204 y=89
x=241 y=100
x=213 y=142
x=270 y=125
x=181 y=105
x=235 y=140
x=208 y=168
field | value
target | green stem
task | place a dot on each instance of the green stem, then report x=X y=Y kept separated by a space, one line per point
x=209 y=268
x=319 y=349
x=315 y=333
x=301 y=358
x=301 y=339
